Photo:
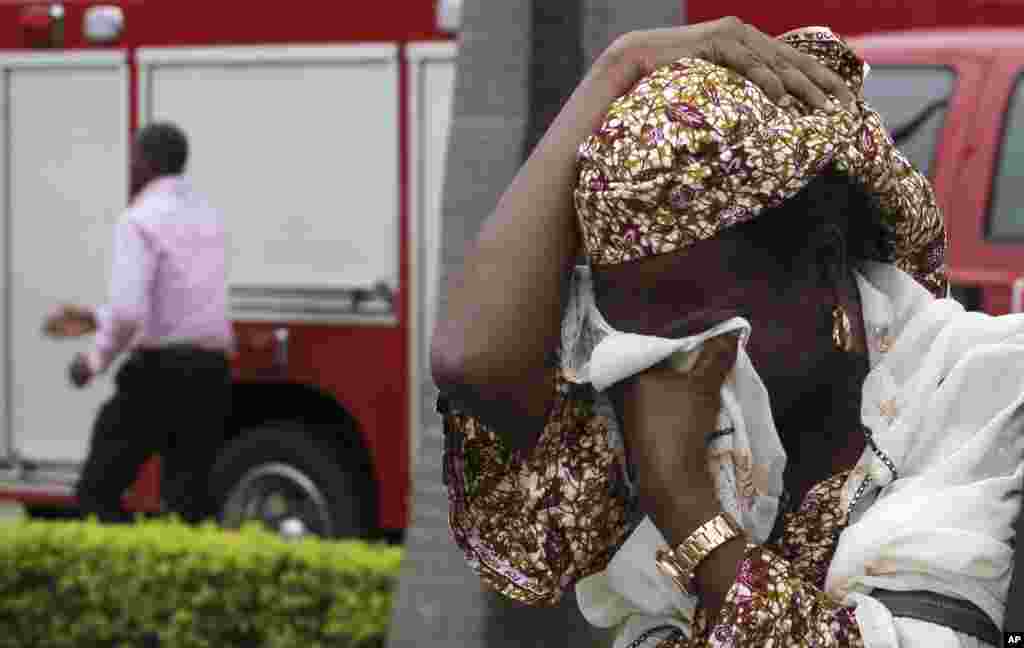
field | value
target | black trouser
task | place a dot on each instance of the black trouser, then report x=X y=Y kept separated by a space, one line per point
x=173 y=402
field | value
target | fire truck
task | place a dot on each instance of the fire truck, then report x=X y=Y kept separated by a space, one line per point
x=319 y=130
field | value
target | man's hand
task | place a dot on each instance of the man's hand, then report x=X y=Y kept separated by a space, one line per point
x=70 y=321
x=79 y=372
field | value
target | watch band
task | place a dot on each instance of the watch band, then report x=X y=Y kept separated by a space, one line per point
x=680 y=563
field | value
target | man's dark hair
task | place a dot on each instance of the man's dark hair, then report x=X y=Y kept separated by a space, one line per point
x=164 y=146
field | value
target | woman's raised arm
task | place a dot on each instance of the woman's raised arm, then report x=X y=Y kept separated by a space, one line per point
x=491 y=346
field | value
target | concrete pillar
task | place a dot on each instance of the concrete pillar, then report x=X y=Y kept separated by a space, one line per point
x=603 y=20
x=440 y=602
x=518 y=62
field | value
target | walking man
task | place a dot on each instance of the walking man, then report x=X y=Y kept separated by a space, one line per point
x=167 y=306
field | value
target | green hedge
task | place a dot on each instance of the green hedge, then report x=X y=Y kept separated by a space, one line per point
x=83 y=584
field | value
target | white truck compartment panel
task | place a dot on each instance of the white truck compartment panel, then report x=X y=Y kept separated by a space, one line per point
x=65 y=132
x=298 y=146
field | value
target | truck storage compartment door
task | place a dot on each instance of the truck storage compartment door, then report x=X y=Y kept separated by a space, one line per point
x=64 y=183
x=431 y=86
x=298 y=148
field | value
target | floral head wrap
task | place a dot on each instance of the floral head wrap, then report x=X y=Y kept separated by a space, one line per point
x=695 y=148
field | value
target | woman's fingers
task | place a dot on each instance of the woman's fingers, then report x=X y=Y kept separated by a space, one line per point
x=820 y=76
x=773 y=65
x=717 y=358
x=735 y=55
x=772 y=73
x=803 y=75
x=799 y=86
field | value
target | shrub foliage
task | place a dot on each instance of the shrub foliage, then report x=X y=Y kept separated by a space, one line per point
x=163 y=583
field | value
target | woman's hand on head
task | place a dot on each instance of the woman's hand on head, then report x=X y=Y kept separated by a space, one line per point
x=512 y=279
x=777 y=68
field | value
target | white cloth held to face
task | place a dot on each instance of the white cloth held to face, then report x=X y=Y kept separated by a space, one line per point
x=945 y=403
x=747 y=463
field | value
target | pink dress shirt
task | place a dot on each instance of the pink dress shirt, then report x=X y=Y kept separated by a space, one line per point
x=168 y=284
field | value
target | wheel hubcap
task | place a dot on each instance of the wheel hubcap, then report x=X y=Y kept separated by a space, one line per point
x=283 y=498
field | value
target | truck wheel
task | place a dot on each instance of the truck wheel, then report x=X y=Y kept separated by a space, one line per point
x=292 y=483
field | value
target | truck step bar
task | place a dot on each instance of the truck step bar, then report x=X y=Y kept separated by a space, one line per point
x=49 y=478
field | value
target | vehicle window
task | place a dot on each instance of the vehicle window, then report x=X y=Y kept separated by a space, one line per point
x=913 y=100
x=1006 y=210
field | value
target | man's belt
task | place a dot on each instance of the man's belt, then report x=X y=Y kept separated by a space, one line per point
x=956 y=614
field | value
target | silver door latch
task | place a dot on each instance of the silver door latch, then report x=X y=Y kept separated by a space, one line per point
x=281 y=349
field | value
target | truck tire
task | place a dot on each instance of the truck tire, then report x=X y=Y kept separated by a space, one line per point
x=294 y=483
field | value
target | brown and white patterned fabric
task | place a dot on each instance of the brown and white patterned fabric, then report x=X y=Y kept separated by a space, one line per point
x=695 y=148
x=691 y=150
x=532 y=524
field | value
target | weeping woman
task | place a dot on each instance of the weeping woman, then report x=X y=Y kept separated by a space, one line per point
x=753 y=417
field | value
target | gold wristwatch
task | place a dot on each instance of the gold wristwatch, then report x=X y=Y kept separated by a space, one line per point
x=680 y=563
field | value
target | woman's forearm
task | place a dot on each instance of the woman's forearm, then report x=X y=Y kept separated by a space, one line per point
x=678 y=510
x=503 y=317
x=666 y=418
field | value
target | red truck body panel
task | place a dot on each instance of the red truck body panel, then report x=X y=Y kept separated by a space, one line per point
x=364 y=368
x=988 y=63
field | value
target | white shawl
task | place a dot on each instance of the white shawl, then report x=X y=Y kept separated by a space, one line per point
x=943 y=401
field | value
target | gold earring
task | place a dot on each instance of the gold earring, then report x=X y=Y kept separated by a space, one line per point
x=842 y=335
